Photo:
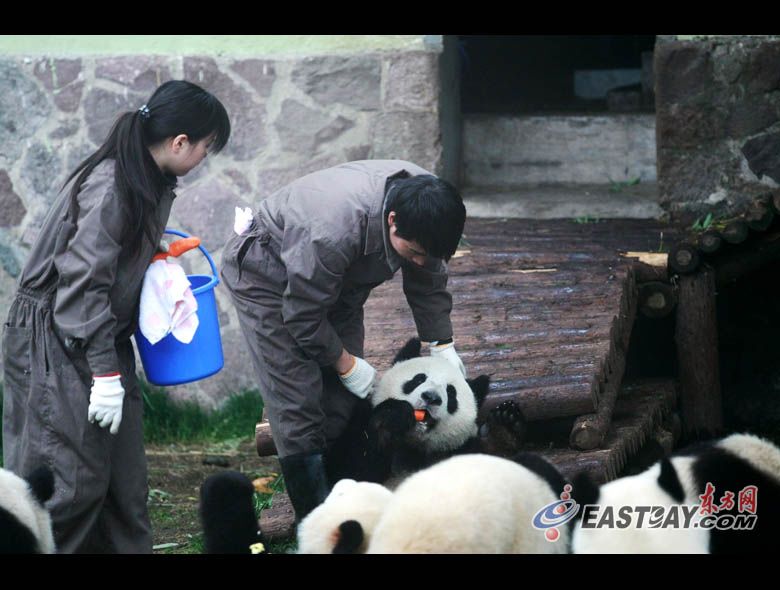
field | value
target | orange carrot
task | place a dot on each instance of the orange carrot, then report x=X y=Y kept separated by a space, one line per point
x=178 y=248
x=419 y=415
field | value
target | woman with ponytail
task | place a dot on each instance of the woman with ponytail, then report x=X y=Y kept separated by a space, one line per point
x=71 y=397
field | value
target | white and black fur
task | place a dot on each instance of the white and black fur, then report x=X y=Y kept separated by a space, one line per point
x=470 y=504
x=25 y=523
x=345 y=521
x=384 y=442
x=729 y=464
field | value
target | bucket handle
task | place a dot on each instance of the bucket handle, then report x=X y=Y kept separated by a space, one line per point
x=215 y=279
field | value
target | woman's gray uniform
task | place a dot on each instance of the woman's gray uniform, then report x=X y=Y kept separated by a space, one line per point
x=74 y=312
x=299 y=278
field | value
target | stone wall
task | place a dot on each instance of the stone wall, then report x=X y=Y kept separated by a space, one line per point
x=718 y=121
x=290 y=116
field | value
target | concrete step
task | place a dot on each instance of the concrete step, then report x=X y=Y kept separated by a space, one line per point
x=503 y=150
x=564 y=201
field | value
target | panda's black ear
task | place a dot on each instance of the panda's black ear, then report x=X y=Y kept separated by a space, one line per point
x=411 y=350
x=669 y=481
x=42 y=483
x=350 y=537
x=480 y=386
x=584 y=490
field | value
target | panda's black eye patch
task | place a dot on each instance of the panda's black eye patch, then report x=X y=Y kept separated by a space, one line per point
x=414 y=383
x=452 y=399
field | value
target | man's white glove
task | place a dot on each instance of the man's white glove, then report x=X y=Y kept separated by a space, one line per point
x=359 y=380
x=447 y=352
x=105 y=402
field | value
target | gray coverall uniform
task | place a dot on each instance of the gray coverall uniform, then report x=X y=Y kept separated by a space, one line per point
x=299 y=278
x=74 y=312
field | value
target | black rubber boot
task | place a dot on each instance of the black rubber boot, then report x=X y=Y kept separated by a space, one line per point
x=306 y=482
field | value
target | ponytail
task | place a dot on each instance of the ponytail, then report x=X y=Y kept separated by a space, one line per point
x=176 y=107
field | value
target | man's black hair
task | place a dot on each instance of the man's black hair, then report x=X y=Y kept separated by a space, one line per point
x=429 y=211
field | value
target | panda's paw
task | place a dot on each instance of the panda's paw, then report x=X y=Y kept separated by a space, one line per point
x=504 y=429
x=391 y=421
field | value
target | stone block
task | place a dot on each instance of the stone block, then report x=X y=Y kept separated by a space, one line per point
x=683 y=70
x=246 y=111
x=102 y=109
x=412 y=82
x=351 y=80
x=763 y=155
x=42 y=170
x=260 y=73
x=24 y=107
x=207 y=210
x=751 y=115
x=12 y=209
x=415 y=137
x=140 y=73
x=302 y=130
x=57 y=73
x=762 y=72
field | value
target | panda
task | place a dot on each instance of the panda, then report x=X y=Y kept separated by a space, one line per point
x=472 y=504
x=25 y=523
x=344 y=522
x=384 y=442
x=227 y=514
x=729 y=464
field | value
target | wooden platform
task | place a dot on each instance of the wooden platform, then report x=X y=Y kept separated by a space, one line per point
x=544 y=307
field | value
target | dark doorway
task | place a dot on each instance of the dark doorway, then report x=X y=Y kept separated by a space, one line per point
x=548 y=74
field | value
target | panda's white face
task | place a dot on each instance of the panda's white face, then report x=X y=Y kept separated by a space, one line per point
x=438 y=388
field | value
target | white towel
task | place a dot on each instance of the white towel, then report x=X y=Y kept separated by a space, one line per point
x=167 y=304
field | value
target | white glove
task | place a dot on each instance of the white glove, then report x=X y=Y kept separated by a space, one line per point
x=105 y=402
x=360 y=378
x=447 y=352
x=243 y=220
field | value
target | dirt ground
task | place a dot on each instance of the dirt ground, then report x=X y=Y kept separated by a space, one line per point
x=176 y=473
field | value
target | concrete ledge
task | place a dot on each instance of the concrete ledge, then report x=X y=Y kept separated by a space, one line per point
x=564 y=201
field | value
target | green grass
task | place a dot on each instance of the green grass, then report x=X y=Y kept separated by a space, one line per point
x=166 y=421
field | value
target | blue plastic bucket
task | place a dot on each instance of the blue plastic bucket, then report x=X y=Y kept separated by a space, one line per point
x=170 y=362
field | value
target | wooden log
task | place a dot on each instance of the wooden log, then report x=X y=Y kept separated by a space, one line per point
x=710 y=241
x=759 y=216
x=264 y=440
x=656 y=299
x=684 y=258
x=696 y=337
x=590 y=430
x=735 y=232
x=277 y=523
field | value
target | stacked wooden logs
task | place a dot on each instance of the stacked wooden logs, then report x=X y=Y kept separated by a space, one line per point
x=696 y=265
x=756 y=233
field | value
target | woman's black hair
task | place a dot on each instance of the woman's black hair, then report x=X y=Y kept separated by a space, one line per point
x=429 y=211
x=176 y=107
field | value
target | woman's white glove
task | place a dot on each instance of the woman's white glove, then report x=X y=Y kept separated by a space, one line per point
x=105 y=402
x=447 y=352
x=359 y=380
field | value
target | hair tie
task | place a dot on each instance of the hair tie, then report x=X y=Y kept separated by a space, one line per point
x=144 y=111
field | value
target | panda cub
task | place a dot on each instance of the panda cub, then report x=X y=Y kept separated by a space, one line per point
x=344 y=522
x=25 y=524
x=729 y=464
x=384 y=441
